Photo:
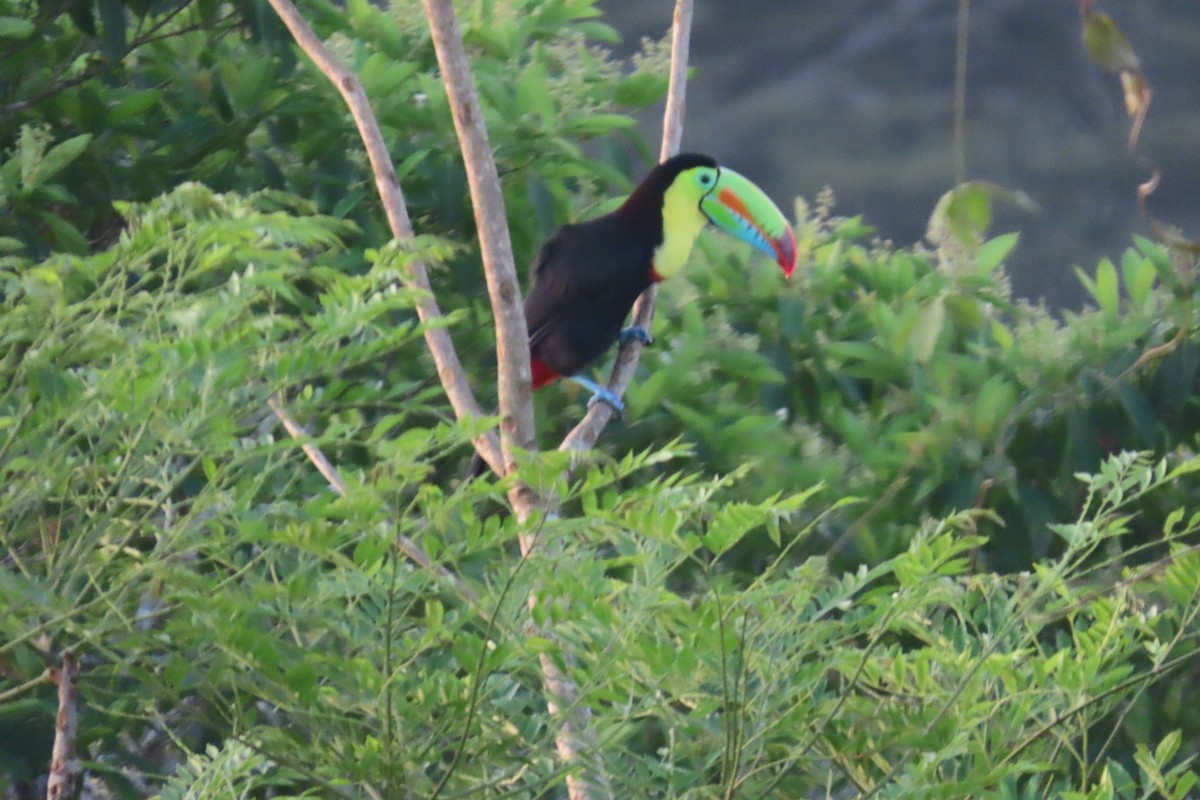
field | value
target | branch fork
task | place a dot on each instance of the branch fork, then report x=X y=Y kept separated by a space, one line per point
x=576 y=740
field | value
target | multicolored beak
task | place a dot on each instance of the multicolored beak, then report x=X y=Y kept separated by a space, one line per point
x=741 y=209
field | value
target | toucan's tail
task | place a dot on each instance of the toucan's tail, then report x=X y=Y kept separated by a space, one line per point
x=477 y=468
x=541 y=372
x=542 y=375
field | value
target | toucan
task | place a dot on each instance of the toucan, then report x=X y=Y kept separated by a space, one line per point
x=587 y=275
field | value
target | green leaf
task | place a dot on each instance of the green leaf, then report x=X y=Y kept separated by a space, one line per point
x=600 y=32
x=1106 y=45
x=1188 y=467
x=59 y=157
x=53 y=386
x=301 y=678
x=923 y=338
x=992 y=253
x=43 y=283
x=112 y=29
x=597 y=124
x=539 y=645
x=1002 y=335
x=865 y=359
x=1172 y=521
x=134 y=105
x=533 y=92
x=993 y=404
x=1106 y=290
x=1139 y=276
x=640 y=89
x=15 y=28
x=435 y=615
x=729 y=524
x=252 y=82
x=1183 y=784
x=67 y=237
x=1168 y=747
x=1167 y=272
x=962 y=214
x=80 y=12
x=1141 y=412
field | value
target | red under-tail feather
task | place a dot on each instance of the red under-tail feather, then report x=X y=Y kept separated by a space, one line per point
x=542 y=374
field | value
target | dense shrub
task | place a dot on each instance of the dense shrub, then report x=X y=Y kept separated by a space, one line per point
x=878 y=531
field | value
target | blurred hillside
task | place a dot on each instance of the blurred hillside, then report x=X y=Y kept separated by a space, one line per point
x=858 y=95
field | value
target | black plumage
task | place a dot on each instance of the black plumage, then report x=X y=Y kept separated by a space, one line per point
x=587 y=276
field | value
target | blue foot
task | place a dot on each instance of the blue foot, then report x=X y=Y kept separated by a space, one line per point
x=600 y=394
x=636 y=333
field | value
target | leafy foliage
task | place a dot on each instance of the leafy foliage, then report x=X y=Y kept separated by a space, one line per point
x=225 y=602
x=156 y=93
x=880 y=532
x=910 y=377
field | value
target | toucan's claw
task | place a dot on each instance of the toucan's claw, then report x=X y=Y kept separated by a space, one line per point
x=606 y=396
x=636 y=333
x=600 y=394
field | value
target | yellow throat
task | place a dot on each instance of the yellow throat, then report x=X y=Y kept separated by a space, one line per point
x=682 y=222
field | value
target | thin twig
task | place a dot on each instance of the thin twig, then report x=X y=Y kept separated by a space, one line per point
x=437 y=338
x=294 y=429
x=63 y=766
x=103 y=64
x=414 y=551
x=960 y=93
x=8 y=694
x=585 y=434
x=480 y=674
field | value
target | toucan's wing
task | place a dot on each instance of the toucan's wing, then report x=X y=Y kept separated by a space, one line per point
x=584 y=266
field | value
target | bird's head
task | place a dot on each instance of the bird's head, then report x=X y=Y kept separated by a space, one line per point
x=732 y=203
x=738 y=207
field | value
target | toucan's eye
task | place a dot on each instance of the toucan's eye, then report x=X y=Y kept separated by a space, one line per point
x=706 y=178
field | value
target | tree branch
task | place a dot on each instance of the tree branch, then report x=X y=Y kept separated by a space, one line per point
x=576 y=741
x=585 y=434
x=491 y=221
x=437 y=338
x=63 y=766
x=410 y=548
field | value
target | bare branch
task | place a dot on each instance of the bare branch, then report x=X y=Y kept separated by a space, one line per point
x=681 y=42
x=437 y=338
x=578 y=746
x=63 y=766
x=328 y=470
x=411 y=549
x=585 y=434
x=9 y=694
x=491 y=220
x=576 y=741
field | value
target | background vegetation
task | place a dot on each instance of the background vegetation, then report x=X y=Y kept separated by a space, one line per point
x=856 y=95
x=878 y=531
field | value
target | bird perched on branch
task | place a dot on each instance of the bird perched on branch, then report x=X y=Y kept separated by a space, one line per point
x=587 y=275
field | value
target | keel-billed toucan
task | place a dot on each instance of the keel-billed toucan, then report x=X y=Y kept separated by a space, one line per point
x=587 y=275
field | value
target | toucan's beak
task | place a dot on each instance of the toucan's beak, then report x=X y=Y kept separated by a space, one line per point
x=741 y=209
